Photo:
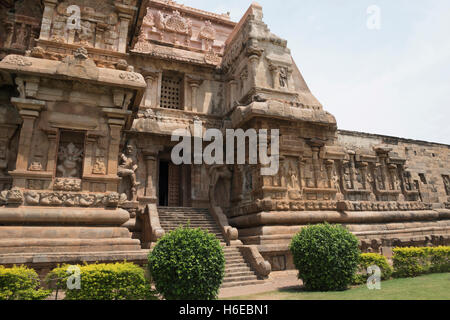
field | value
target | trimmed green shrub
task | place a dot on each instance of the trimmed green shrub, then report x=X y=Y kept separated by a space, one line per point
x=326 y=257
x=20 y=283
x=412 y=262
x=118 y=281
x=187 y=264
x=370 y=259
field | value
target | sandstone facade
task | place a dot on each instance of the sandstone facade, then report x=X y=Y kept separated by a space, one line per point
x=91 y=92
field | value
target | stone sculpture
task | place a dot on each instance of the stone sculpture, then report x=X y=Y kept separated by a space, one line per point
x=69 y=159
x=127 y=168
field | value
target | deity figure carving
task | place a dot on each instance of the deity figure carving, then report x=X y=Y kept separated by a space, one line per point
x=347 y=176
x=127 y=168
x=395 y=182
x=379 y=179
x=219 y=193
x=283 y=173
x=293 y=177
x=283 y=78
x=307 y=169
x=359 y=183
x=69 y=157
x=248 y=180
x=447 y=184
x=99 y=166
x=407 y=181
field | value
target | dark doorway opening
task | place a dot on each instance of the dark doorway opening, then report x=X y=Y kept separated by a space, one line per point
x=163 y=183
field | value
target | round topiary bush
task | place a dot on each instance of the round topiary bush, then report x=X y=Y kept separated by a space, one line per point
x=187 y=264
x=326 y=257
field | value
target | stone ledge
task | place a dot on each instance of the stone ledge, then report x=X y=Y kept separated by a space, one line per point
x=63 y=216
x=52 y=259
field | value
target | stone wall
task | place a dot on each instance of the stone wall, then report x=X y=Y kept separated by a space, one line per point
x=428 y=163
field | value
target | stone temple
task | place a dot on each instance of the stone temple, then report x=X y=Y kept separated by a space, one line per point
x=90 y=94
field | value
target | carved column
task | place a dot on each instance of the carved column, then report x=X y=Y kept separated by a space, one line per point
x=9 y=28
x=383 y=171
x=194 y=87
x=29 y=110
x=88 y=155
x=123 y=31
x=51 y=162
x=151 y=163
x=275 y=71
x=115 y=127
x=233 y=87
x=47 y=18
x=316 y=145
x=254 y=59
x=147 y=101
x=194 y=84
x=329 y=167
x=364 y=167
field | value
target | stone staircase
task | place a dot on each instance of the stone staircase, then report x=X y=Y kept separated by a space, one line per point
x=237 y=271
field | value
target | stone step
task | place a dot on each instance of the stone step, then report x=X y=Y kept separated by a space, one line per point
x=176 y=225
x=173 y=227
x=136 y=235
x=213 y=231
x=237 y=269
x=234 y=259
x=241 y=283
x=231 y=255
x=235 y=264
x=186 y=220
x=182 y=208
x=181 y=213
x=192 y=225
x=239 y=278
x=239 y=274
x=173 y=220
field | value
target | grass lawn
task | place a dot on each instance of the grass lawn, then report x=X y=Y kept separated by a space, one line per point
x=429 y=287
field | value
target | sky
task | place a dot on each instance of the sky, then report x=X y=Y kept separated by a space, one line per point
x=393 y=80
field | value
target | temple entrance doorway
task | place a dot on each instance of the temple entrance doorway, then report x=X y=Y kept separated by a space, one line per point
x=174 y=185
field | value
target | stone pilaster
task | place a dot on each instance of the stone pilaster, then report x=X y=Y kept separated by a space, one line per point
x=52 y=150
x=150 y=80
x=29 y=110
x=123 y=31
x=47 y=18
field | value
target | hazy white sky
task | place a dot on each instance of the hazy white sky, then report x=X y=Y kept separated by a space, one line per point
x=393 y=81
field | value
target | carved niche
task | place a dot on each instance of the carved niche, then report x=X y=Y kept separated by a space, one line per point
x=21 y=25
x=173 y=23
x=98 y=24
x=446 y=180
x=70 y=155
x=9 y=136
x=207 y=34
